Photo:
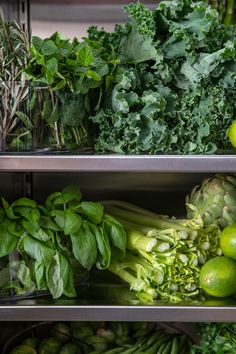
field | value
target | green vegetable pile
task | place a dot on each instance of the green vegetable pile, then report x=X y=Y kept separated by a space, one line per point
x=216 y=338
x=174 y=90
x=57 y=241
x=106 y=338
x=162 y=83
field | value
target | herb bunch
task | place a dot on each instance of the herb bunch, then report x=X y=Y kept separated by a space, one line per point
x=57 y=241
x=70 y=79
x=15 y=124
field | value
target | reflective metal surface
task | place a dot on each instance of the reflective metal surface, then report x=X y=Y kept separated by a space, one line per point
x=116 y=163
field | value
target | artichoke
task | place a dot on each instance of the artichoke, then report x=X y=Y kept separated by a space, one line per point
x=215 y=200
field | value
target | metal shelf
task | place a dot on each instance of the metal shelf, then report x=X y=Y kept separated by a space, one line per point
x=117 y=163
x=116 y=313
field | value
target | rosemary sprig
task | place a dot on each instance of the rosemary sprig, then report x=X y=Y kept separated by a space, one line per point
x=15 y=124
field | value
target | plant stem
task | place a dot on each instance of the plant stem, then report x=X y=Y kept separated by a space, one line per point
x=229 y=16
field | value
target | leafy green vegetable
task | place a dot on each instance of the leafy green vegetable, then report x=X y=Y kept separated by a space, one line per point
x=216 y=338
x=69 y=79
x=57 y=240
x=174 y=90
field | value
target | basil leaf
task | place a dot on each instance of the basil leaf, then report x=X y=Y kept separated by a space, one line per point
x=71 y=193
x=104 y=248
x=116 y=233
x=24 y=276
x=37 y=249
x=94 y=211
x=67 y=277
x=38 y=233
x=8 y=242
x=25 y=202
x=84 y=246
x=31 y=226
x=8 y=210
x=53 y=276
x=59 y=217
x=50 y=199
x=48 y=223
x=72 y=222
x=40 y=276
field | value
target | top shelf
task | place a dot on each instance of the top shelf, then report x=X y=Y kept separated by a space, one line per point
x=117 y=163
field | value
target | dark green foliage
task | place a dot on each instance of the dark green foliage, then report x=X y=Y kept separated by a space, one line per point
x=174 y=91
x=216 y=338
x=58 y=240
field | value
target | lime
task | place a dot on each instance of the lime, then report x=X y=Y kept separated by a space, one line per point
x=231 y=132
x=218 y=277
x=228 y=241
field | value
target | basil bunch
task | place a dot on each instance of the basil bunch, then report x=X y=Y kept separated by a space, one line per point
x=59 y=239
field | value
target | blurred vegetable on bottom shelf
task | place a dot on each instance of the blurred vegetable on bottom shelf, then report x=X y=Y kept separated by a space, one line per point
x=216 y=338
x=103 y=338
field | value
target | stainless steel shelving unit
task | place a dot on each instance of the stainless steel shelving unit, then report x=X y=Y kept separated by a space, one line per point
x=41 y=310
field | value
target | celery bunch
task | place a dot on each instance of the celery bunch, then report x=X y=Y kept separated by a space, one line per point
x=163 y=255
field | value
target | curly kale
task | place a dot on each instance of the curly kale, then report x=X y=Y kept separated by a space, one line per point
x=174 y=92
x=143 y=17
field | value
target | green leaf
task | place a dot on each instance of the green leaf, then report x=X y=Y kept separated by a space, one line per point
x=59 y=217
x=116 y=233
x=102 y=69
x=37 y=43
x=49 y=48
x=84 y=246
x=67 y=277
x=8 y=210
x=50 y=199
x=72 y=222
x=54 y=278
x=48 y=223
x=41 y=235
x=31 y=226
x=71 y=193
x=37 y=249
x=104 y=248
x=61 y=84
x=24 y=276
x=85 y=55
x=40 y=276
x=8 y=242
x=94 y=211
x=52 y=65
x=91 y=74
x=137 y=48
x=25 y=202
